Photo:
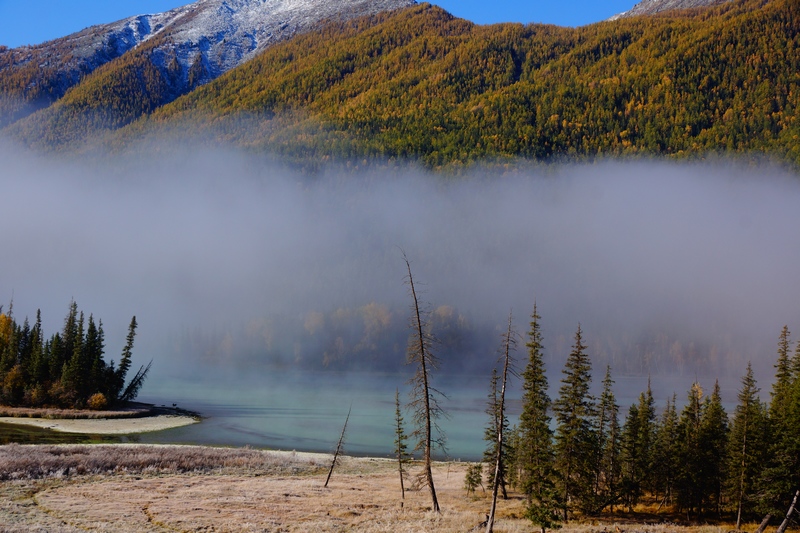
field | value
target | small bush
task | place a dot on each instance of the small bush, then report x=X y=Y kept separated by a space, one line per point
x=97 y=402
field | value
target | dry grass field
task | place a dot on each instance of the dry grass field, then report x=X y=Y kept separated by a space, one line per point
x=138 y=488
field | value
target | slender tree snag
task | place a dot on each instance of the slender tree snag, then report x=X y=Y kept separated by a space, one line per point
x=785 y=522
x=509 y=342
x=764 y=524
x=423 y=403
x=339 y=447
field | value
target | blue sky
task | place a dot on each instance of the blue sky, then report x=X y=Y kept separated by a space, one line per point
x=35 y=21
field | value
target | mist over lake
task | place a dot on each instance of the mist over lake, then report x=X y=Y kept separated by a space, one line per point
x=259 y=288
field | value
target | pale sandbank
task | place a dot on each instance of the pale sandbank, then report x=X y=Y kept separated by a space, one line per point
x=110 y=426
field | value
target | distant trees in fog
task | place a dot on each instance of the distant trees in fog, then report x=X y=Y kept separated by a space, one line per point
x=373 y=337
x=67 y=369
x=699 y=461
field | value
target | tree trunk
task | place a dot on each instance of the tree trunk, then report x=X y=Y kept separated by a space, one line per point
x=785 y=522
x=764 y=524
x=500 y=419
x=338 y=448
x=422 y=376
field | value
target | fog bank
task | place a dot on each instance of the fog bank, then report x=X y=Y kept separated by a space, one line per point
x=658 y=262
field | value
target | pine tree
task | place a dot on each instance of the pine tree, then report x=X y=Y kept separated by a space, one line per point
x=400 y=446
x=125 y=361
x=782 y=476
x=534 y=453
x=666 y=452
x=630 y=433
x=575 y=437
x=689 y=482
x=647 y=435
x=747 y=446
x=781 y=388
x=608 y=445
x=714 y=439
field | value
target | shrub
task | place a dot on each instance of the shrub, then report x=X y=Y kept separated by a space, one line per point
x=97 y=401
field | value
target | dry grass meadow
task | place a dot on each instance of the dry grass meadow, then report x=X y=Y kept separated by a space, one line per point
x=141 y=488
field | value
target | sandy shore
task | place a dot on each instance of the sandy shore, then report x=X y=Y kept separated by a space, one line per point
x=112 y=426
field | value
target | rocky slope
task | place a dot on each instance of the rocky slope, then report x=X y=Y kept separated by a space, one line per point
x=651 y=7
x=195 y=44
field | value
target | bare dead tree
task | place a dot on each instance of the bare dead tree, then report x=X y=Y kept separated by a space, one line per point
x=339 y=448
x=508 y=346
x=764 y=524
x=791 y=510
x=424 y=398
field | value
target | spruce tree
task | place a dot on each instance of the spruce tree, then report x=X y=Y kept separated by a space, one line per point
x=124 y=361
x=689 y=481
x=714 y=439
x=629 y=449
x=608 y=445
x=400 y=446
x=782 y=476
x=665 y=453
x=781 y=388
x=575 y=437
x=646 y=438
x=534 y=451
x=747 y=446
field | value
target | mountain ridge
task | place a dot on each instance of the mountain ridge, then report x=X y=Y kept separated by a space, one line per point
x=195 y=44
x=653 y=7
x=420 y=84
x=424 y=85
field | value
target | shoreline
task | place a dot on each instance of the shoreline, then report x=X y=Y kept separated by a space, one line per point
x=105 y=426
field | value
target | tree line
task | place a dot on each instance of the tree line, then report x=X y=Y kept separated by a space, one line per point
x=67 y=369
x=579 y=455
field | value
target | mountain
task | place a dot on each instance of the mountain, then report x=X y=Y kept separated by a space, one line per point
x=651 y=7
x=419 y=84
x=185 y=47
x=423 y=85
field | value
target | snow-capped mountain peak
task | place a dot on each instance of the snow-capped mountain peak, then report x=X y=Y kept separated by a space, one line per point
x=651 y=7
x=227 y=32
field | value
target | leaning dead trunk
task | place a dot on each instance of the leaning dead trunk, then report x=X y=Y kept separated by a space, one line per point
x=339 y=447
x=764 y=524
x=791 y=510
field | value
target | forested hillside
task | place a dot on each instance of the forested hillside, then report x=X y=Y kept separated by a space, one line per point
x=147 y=61
x=420 y=84
x=424 y=85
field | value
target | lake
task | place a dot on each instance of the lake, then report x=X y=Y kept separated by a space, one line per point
x=306 y=412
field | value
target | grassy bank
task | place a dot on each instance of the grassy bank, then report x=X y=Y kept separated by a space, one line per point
x=143 y=488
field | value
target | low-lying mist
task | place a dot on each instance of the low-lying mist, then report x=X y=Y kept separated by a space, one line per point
x=233 y=265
